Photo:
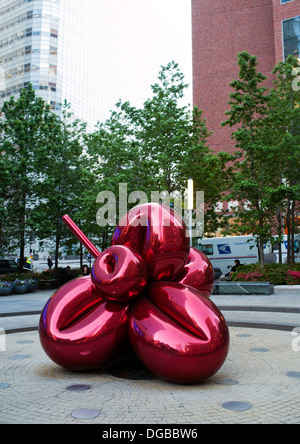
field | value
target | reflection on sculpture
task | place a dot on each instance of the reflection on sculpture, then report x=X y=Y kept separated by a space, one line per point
x=148 y=289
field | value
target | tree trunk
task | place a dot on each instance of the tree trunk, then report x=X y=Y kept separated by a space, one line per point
x=279 y=232
x=261 y=253
x=22 y=248
x=81 y=256
x=293 y=227
x=57 y=241
x=22 y=234
x=288 y=224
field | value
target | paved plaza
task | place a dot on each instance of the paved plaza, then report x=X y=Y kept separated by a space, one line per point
x=259 y=382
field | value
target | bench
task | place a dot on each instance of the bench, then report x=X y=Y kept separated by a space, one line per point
x=244 y=288
x=50 y=284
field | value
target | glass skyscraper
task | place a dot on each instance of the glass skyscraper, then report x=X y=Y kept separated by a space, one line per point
x=83 y=51
x=57 y=47
x=29 y=49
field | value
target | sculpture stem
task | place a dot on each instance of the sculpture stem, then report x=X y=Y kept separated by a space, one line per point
x=81 y=236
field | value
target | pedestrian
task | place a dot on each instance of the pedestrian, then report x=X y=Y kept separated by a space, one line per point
x=50 y=263
x=85 y=270
x=29 y=261
x=66 y=275
x=235 y=267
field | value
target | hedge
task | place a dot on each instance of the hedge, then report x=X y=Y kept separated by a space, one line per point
x=279 y=274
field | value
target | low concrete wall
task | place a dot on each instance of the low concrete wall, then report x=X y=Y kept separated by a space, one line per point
x=259 y=288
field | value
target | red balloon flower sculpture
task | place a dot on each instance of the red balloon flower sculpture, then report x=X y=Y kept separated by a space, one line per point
x=150 y=288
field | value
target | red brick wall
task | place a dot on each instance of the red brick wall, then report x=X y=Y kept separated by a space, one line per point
x=283 y=12
x=222 y=29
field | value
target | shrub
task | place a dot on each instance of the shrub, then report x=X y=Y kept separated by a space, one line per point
x=279 y=274
x=293 y=277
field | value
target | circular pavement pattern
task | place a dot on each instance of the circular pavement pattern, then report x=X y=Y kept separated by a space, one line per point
x=259 y=383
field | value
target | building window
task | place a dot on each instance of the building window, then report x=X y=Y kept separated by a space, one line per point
x=52 y=69
x=286 y=1
x=54 y=33
x=291 y=37
x=53 y=50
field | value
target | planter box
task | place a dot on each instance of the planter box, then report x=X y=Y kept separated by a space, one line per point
x=20 y=289
x=32 y=287
x=5 y=291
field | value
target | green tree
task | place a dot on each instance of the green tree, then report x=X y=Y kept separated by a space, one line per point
x=251 y=174
x=112 y=156
x=158 y=147
x=175 y=142
x=24 y=139
x=5 y=186
x=165 y=131
x=284 y=135
x=63 y=181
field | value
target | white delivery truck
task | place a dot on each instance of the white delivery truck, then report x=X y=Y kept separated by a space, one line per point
x=223 y=251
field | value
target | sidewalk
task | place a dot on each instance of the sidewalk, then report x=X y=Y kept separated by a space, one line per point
x=280 y=311
x=259 y=382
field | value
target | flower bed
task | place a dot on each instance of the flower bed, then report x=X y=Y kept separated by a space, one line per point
x=18 y=283
x=6 y=288
x=279 y=274
x=28 y=282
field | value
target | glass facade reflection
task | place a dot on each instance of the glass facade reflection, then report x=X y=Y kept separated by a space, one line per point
x=89 y=52
x=28 y=48
x=49 y=44
x=291 y=37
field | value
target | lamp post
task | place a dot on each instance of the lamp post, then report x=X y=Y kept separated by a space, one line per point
x=190 y=205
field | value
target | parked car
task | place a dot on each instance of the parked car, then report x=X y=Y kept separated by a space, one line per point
x=8 y=266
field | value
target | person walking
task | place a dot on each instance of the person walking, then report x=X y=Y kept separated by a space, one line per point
x=50 y=263
x=29 y=261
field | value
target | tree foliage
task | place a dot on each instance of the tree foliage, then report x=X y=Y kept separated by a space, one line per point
x=265 y=174
x=25 y=131
x=49 y=166
x=158 y=147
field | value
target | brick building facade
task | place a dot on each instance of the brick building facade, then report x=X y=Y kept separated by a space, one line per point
x=269 y=29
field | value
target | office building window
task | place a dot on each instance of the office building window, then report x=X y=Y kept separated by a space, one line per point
x=291 y=37
x=53 y=50
x=54 y=33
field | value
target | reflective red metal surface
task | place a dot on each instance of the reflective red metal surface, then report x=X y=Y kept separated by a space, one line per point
x=159 y=235
x=120 y=274
x=79 y=329
x=149 y=284
x=178 y=333
x=81 y=236
x=198 y=273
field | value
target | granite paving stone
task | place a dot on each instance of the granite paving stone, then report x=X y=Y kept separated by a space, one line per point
x=261 y=371
x=35 y=390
